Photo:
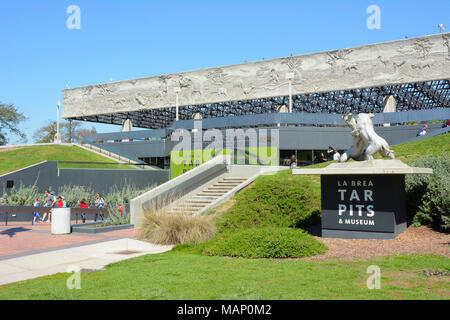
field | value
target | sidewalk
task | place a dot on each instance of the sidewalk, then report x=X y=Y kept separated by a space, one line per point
x=28 y=251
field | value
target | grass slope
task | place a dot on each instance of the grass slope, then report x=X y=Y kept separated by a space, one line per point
x=23 y=157
x=436 y=146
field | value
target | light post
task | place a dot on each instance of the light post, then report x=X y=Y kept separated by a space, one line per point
x=70 y=131
x=57 y=135
x=289 y=77
x=177 y=92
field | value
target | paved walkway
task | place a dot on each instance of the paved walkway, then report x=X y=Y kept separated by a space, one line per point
x=29 y=251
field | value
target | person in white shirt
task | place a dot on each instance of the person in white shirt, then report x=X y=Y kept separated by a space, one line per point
x=336 y=155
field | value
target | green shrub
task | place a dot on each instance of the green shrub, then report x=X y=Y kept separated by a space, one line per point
x=117 y=218
x=268 y=242
x=74 y=194
x=281 y=200
x=428 y=196
x=21 y=196
x=124 y=194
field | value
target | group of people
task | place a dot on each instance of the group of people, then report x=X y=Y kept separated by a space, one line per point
x=332 y=154
x=52 y=202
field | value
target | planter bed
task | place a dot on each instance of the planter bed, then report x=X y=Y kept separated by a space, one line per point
x=91 y=227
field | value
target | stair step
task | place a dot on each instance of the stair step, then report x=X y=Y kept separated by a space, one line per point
x=178 y=212
x=206 y=197
x=198 y=201
x=185 y=209
x=192 y=205
x=215 y=195
x=230 y=182
x=222 y=186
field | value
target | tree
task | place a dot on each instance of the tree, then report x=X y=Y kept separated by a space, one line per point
x=70 y=132
x=10 y=117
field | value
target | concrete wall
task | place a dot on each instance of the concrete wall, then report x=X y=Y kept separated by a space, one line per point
x=320 y=138
x=47 y=176
x=291 y=138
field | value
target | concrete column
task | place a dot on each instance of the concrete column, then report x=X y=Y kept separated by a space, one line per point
x=282 y=109
x=177 y=92
x=389 y=105
x=57 y=138
x=127 y=126
x=290 y=76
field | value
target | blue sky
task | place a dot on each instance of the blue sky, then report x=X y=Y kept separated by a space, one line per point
x=129 y=39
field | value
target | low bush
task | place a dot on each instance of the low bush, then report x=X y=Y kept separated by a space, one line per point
x=74 y=194
x=268 y=242
x=125 y=194
x=428 y=196
x=281 y=200
x=21 y=196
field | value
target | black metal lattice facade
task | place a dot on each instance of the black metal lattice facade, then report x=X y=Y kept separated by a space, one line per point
x=411 y=96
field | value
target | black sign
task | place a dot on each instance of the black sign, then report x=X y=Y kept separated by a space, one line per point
x=367 y=203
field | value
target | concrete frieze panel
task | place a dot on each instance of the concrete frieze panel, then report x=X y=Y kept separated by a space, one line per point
x=404 y=61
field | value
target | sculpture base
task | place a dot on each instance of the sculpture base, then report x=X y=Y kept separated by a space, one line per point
x=363 y=206
x=364 y=200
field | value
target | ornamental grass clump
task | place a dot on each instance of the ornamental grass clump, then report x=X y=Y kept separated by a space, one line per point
x=166 y=228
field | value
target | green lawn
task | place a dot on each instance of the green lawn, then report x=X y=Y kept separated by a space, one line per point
x=176 y=275
x=27 y=156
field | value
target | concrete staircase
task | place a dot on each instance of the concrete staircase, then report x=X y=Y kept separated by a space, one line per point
x=198 y=190
x=206 y=197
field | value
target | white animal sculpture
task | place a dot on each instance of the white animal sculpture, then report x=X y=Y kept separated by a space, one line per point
x=366 y=142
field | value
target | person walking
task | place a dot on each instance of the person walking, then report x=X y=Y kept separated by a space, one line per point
x=83 y=205
x=50 y=203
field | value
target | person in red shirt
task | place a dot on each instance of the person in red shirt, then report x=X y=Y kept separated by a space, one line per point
x=120 y=208
x=83 y=205
x=60 y=203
